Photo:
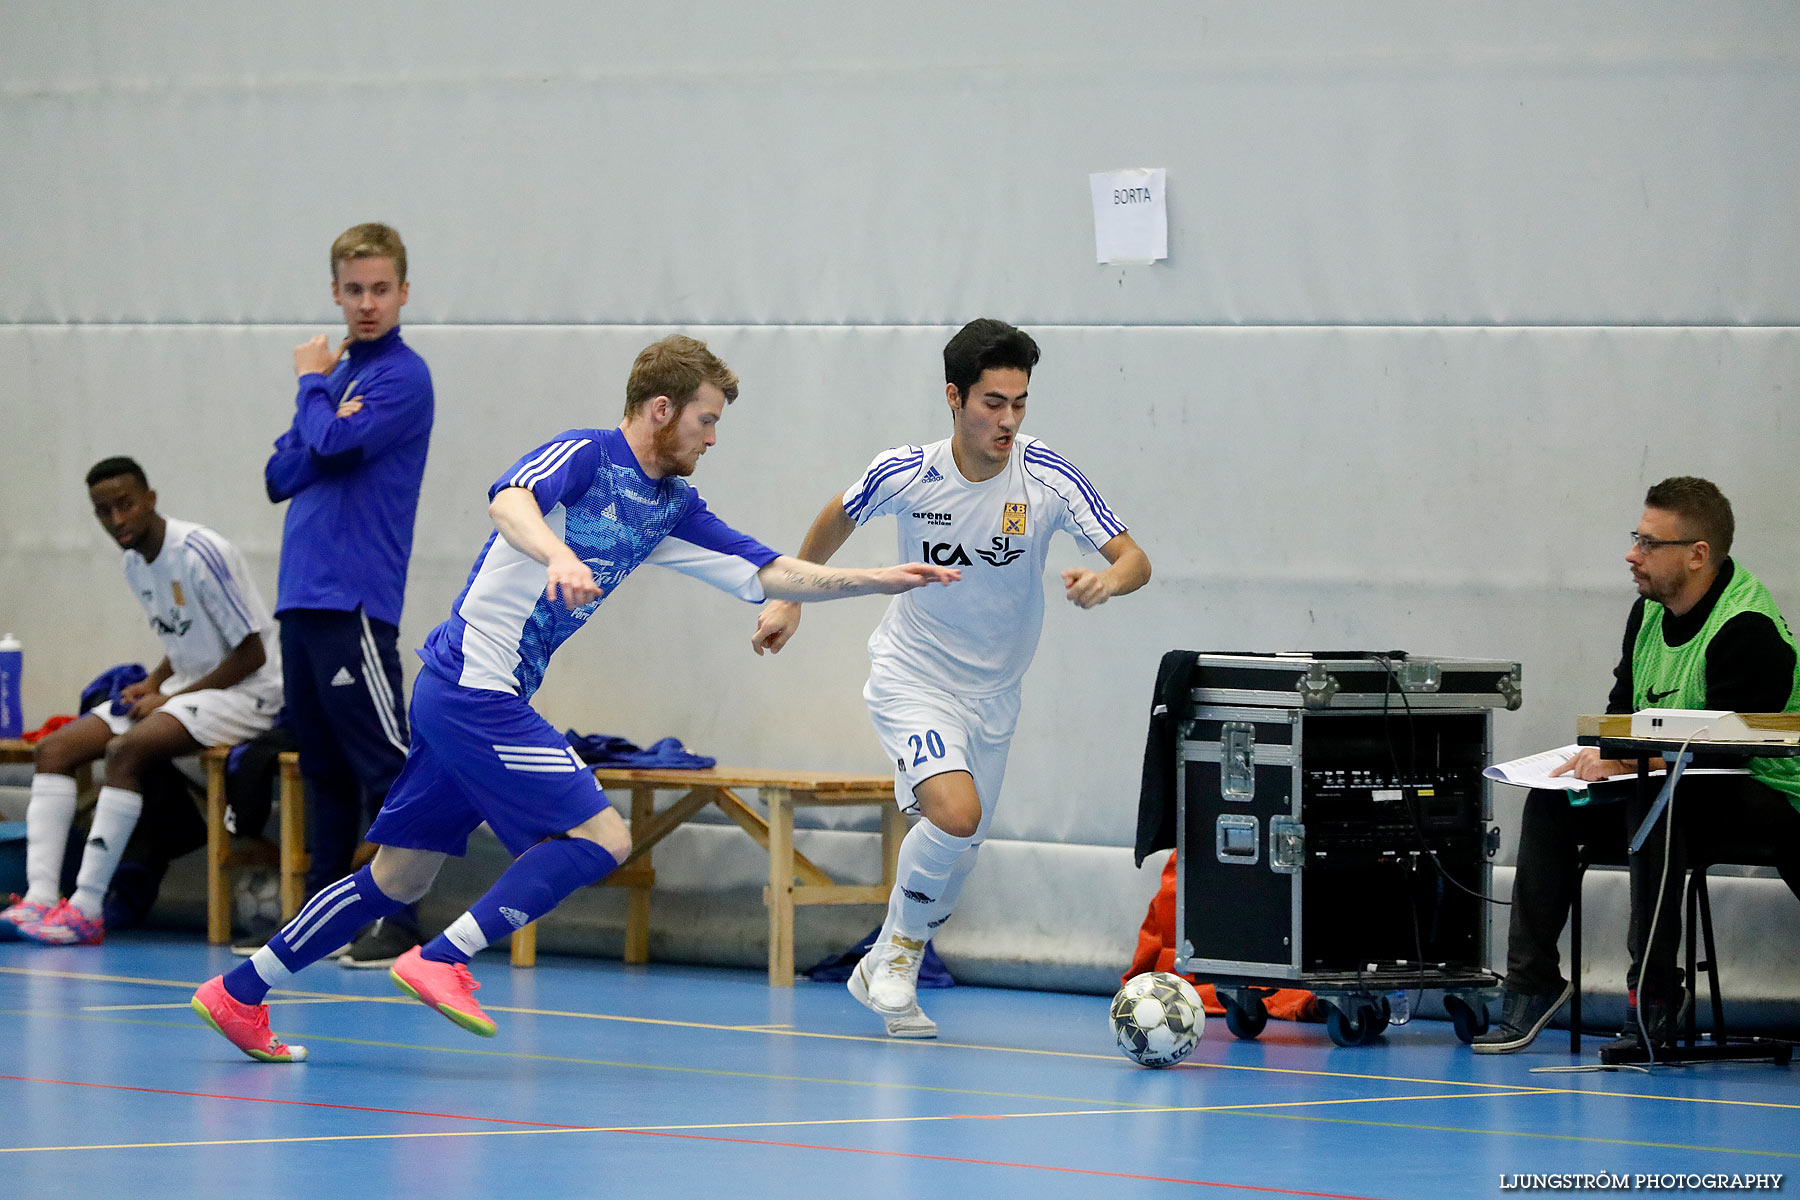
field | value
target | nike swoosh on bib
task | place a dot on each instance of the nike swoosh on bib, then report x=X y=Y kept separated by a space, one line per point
x=1656 y=697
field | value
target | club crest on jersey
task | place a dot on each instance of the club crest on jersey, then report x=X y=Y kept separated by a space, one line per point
x=1012 y=521
x=175 y=586
x=1002 y=553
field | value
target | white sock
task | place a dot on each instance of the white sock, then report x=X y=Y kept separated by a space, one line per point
x=928 y=881
x=47 y=821
x=115 y=816
x=465 y=934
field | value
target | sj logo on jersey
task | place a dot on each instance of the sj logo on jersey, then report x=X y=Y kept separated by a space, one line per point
x=1012 y=521
x=1002 y=553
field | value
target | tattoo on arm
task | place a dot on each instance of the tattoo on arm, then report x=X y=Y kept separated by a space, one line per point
x=821 y=582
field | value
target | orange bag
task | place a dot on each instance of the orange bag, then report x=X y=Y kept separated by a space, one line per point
x=1156 y=952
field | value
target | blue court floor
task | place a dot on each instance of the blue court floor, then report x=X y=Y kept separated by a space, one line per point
x=608 y=1080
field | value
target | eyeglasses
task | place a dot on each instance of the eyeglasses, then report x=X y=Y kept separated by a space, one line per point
x=1643 y=541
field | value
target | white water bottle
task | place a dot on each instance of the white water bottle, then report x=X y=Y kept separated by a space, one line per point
x=12 y=666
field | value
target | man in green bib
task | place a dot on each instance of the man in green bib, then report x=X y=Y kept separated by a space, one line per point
x=1704 y=634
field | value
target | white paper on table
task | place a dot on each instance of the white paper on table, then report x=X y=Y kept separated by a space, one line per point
x=1534 y=770
x=1131 y=220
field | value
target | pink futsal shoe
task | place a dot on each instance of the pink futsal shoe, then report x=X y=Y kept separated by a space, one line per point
x=447 y=987
x=245 y=1026
x=65 y=925
x=18 y=913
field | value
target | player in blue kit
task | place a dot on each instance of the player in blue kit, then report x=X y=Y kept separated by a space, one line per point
x=573 y=518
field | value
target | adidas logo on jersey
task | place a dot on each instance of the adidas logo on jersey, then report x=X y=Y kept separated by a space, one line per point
x=514 y=917
x=610 y=512
x=343 y=678
x=932 y=476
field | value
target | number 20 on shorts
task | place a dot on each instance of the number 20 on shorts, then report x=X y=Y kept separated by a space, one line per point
x=931 y=744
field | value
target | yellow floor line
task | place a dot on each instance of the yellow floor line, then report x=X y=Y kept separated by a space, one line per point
x=1517 y=1133
x=281 y=996
x=702 y=1127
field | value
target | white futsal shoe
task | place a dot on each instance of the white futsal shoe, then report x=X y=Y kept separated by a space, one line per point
x=886 y=981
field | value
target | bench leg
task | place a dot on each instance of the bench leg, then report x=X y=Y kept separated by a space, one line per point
x=781 y=887
x=893 y=832
x=524 y=946
x=294 y=860
x=637 y=908
x=218 y=849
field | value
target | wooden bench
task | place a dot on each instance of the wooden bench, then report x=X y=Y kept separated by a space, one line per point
x=221 y=860
x=794 y=881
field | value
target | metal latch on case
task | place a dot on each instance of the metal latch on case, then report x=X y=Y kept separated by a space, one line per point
x=1287 y=845
x=1237 y=740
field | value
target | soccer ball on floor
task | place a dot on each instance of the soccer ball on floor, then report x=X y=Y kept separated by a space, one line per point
x=1158 y=1018
x=256 y=899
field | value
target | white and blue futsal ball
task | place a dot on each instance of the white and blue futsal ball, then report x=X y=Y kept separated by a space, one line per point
x=256 y=899
x=1158 y=1018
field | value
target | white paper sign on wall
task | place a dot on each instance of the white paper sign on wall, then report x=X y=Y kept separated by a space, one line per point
x=1131 y=223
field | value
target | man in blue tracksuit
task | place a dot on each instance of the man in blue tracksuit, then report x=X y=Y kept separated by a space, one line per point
x=350 y=466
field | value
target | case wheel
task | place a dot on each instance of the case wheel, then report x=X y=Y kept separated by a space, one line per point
x=1245 y=1013
x=1361 y=1026
x=1470 y=1017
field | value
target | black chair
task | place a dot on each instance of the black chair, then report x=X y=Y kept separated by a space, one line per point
x=1699 y=933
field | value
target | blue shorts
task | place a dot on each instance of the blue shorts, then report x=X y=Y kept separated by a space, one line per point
x=483 y=756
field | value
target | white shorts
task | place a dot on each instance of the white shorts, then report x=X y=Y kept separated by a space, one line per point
x=215 y=717
x=927 y=731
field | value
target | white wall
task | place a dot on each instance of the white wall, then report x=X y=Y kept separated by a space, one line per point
x=1449 y=286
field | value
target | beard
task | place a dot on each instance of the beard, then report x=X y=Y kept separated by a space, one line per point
x=664 y=444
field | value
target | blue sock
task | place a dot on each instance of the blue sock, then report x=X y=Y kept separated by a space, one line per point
x=327 y=921
x=538 y=881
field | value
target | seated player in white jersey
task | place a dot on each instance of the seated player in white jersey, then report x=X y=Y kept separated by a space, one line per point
x=944 y=667
x=219 y=683
x=572 y=519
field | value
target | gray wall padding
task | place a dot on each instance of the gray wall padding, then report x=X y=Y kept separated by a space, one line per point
x=1443 y=297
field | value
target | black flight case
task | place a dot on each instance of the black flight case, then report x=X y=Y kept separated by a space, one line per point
x=1333 y=826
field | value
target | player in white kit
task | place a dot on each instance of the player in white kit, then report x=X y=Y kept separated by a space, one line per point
x=219 y=683
x=946 y=663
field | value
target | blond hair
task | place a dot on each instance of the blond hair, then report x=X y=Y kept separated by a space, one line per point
x=372 y=240
x=676 y=367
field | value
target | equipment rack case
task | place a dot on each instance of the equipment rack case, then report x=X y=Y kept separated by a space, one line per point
x=1333 y=826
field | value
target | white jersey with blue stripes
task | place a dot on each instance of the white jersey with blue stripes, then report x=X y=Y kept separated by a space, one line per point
x=976 y=637
x=597 y=499
x=202 y=604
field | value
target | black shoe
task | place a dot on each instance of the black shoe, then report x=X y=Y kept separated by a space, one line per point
x=378 y=946
x=1523 y=1016
x=1662 y=1025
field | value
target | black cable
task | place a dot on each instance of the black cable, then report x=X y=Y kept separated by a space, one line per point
x=1390 y=684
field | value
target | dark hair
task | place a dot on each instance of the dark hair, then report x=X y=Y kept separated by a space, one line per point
x=1702 y=507
x=984 y=343
x=108 y=468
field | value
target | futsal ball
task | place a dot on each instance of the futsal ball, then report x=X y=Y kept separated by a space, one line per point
x=1158 y=1018
x=256 y=899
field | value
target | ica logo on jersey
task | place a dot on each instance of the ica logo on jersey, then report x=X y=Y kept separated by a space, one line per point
x=951 y=554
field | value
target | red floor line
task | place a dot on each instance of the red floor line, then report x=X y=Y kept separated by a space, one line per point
x=400 y=1112
x=990 y=1162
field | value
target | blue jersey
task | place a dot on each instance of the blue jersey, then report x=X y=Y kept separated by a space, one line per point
x=353 y=481
x=594 y=496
